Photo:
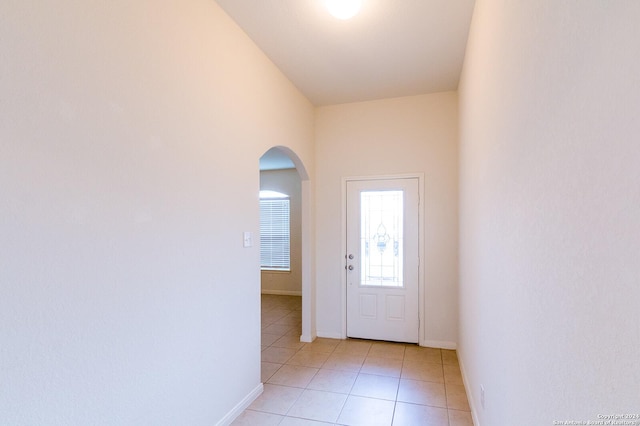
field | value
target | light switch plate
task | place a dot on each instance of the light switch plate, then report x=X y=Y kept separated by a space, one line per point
x=247 y=239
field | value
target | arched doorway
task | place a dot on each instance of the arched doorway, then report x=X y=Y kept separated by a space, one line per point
x=293 y=177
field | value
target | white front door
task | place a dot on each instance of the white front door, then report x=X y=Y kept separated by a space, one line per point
x=382 y=259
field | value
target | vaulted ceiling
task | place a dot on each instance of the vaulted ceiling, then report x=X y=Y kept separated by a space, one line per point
x=391 y=48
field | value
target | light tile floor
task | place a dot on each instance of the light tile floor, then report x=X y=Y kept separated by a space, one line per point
x=351 y=382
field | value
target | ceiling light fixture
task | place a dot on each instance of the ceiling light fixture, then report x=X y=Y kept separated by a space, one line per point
x=343 y=9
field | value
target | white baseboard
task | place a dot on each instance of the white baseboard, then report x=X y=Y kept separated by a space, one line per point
x=470 y=395
x=440 y=344
x=282 y=292
x=329 y=335
x=241 y=406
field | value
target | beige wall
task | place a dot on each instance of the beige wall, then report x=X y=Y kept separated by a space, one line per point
x=550 y=201
x=130 y=134
x=276 y=282
x=415 y=134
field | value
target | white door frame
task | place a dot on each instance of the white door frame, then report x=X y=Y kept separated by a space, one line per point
x=343 y=244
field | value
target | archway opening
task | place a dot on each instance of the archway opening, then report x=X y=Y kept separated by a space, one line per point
x=286 y=288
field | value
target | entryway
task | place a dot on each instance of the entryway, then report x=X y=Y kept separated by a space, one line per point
x=283 y=158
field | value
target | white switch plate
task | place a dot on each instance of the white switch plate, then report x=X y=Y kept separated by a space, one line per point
x=247 y=239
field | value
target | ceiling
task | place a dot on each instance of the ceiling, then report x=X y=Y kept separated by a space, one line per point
x=391 y=48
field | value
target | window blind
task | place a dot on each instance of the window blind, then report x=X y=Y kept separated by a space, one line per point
x=274 y=234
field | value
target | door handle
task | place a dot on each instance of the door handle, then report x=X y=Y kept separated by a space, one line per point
x=351 y=256
x=351 y=267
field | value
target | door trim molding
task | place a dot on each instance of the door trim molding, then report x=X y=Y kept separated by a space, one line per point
x=343 y=247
